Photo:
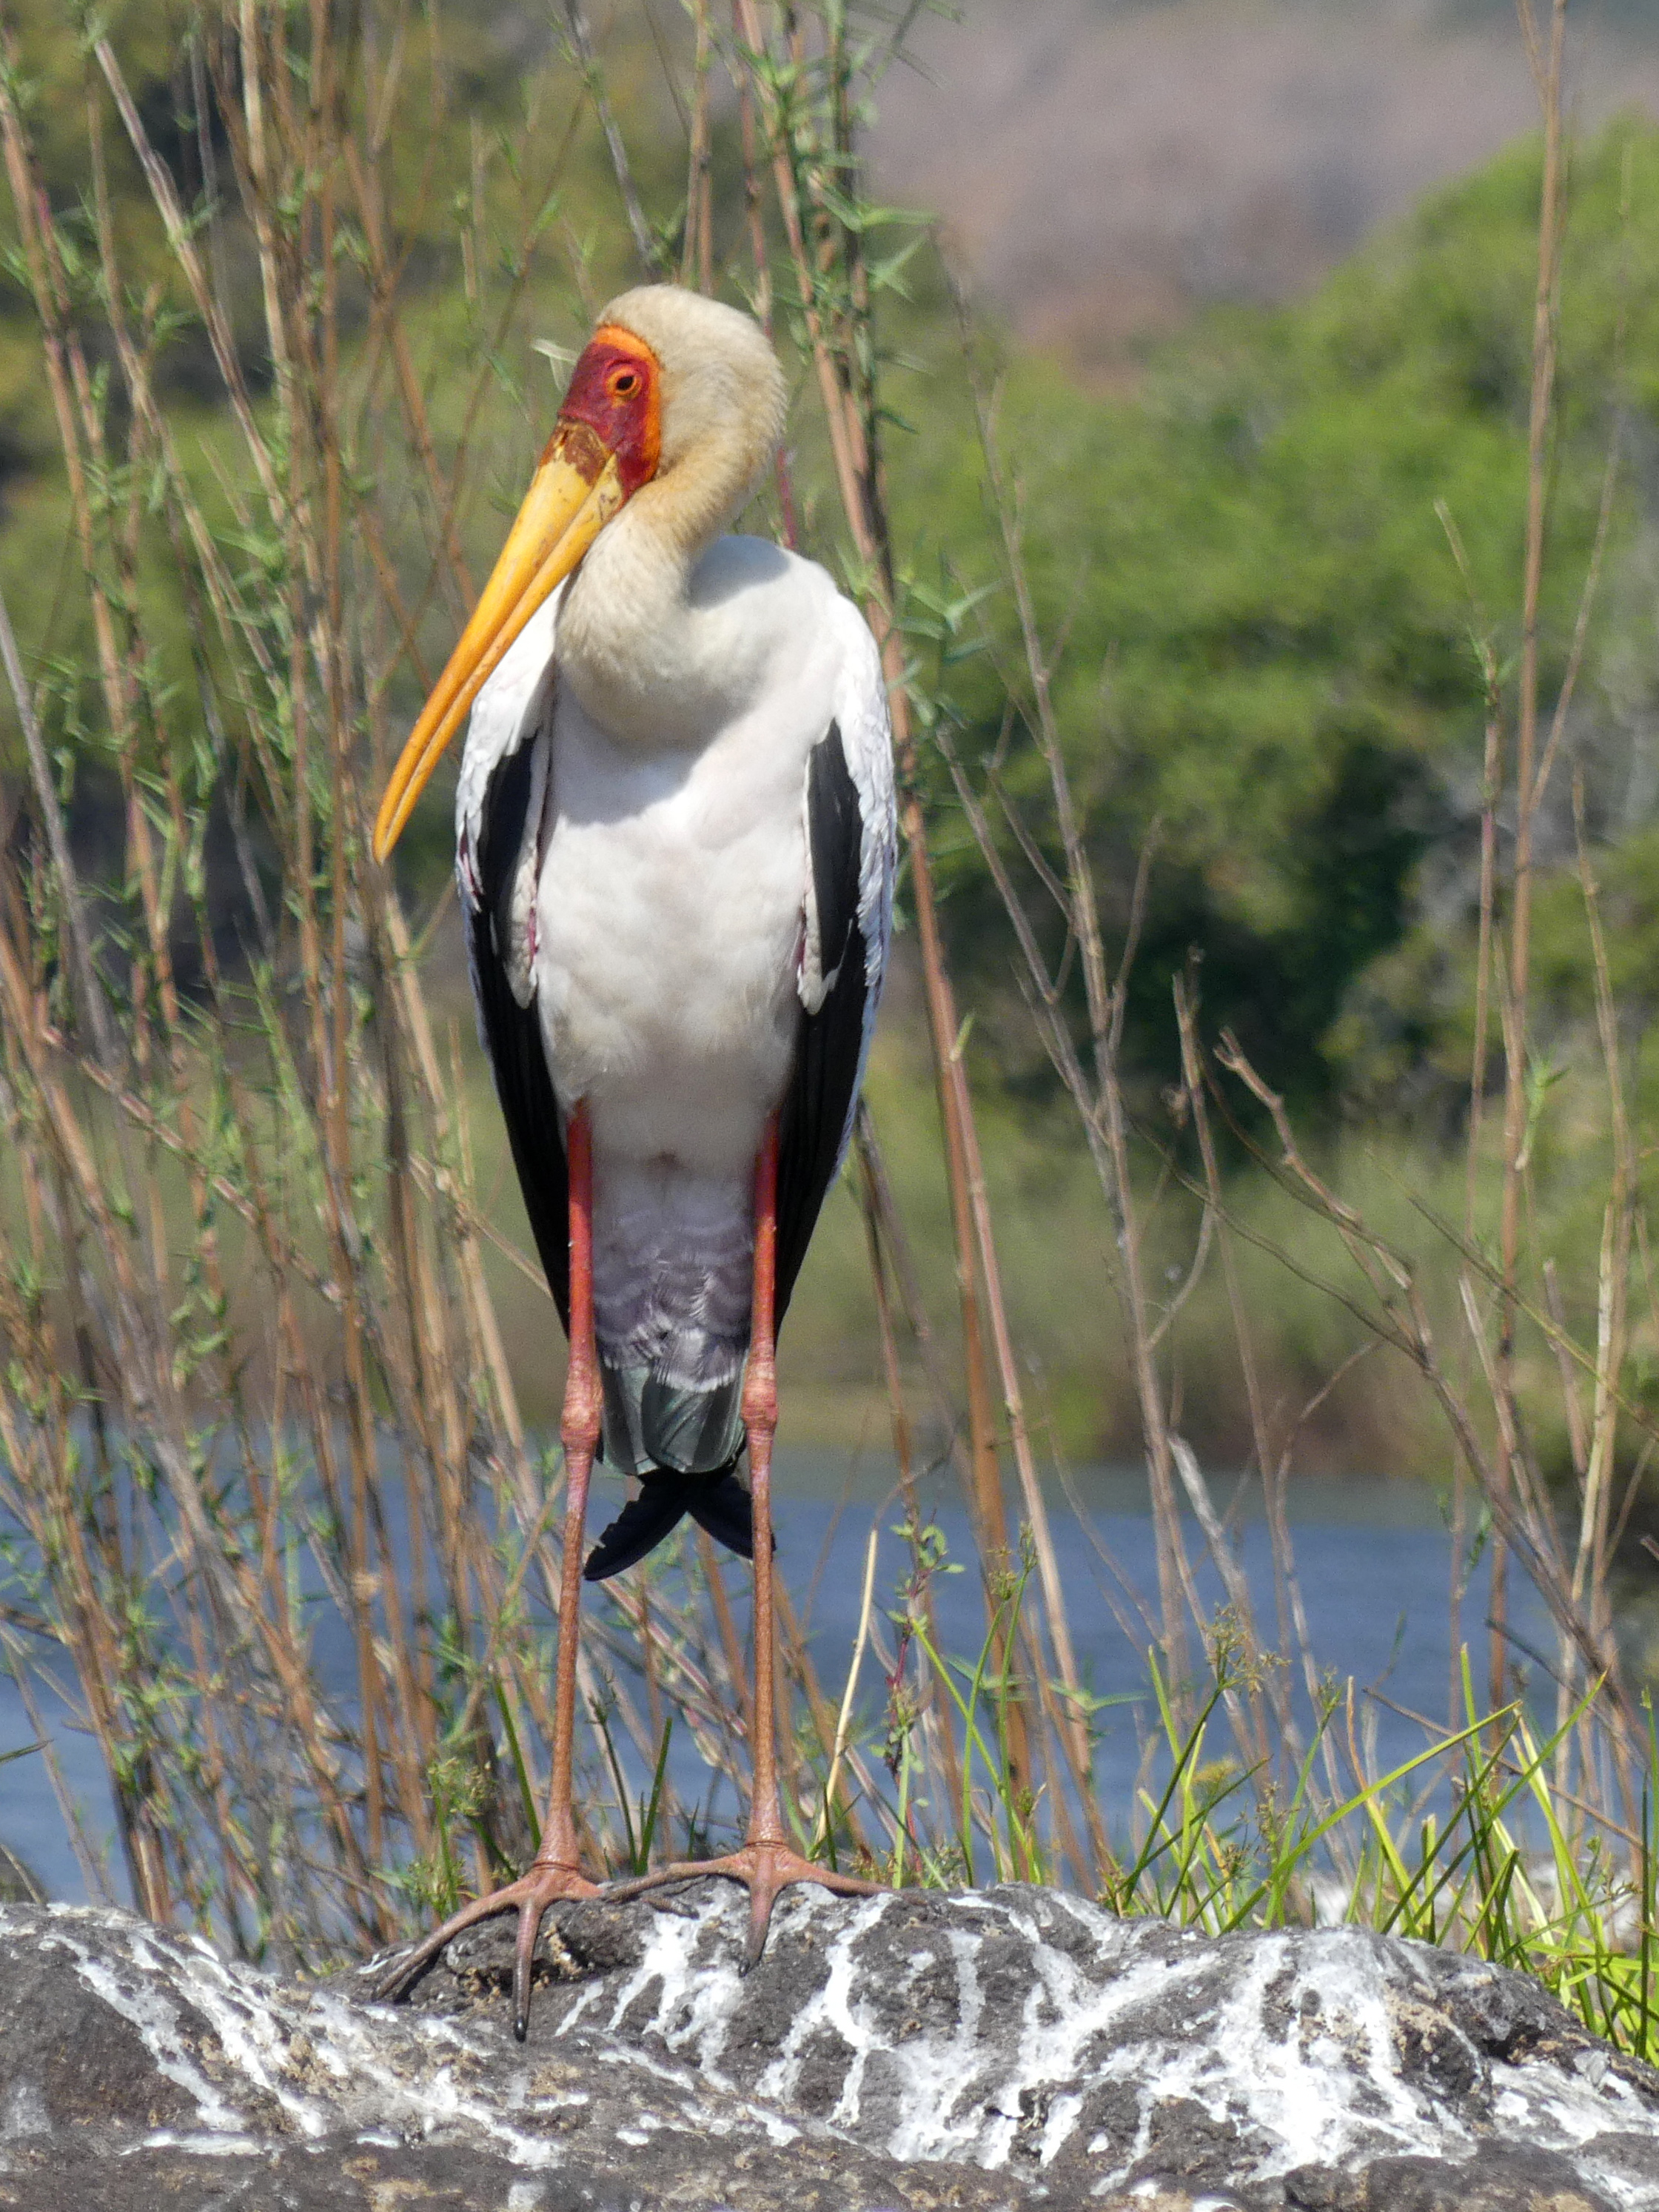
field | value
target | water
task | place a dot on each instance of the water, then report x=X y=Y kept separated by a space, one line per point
x=1372 y=1561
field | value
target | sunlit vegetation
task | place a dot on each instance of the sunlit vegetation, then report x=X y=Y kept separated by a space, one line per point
x=1272 y=989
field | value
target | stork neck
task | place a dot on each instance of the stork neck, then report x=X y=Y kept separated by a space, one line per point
x=647 y=657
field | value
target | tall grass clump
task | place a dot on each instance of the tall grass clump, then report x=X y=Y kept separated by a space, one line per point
x=1542 y=1854
x=275 y=1532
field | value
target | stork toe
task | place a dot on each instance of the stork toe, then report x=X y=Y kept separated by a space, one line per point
x=765 y=1869
x=541 y=1886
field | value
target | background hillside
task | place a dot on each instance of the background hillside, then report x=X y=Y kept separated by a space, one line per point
x=1106 y=170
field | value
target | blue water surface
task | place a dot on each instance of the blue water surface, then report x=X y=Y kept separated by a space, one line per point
x=1373 y=1561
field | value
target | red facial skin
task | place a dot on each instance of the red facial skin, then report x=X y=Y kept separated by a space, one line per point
x=615 y=392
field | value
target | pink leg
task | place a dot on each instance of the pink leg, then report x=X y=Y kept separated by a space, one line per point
x=555 y=1870
x=766 y=1862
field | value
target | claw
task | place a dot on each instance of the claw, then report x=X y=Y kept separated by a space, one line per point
x=530 y=1896
x=524 y=1954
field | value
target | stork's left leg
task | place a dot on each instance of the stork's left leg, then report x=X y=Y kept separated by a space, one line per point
x=555 y=1871
x=766 y=1862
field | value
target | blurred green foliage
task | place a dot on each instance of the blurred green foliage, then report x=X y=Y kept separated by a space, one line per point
x=1264 y=643
x=498 y=223
x=1263 y=656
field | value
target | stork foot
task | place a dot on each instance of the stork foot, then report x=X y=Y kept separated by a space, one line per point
x=544 y=1884
x=765 y=1869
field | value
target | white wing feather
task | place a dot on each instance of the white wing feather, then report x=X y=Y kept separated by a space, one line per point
x=861 y=715
x=515 y=706
x=866 y=738
x=511 y=708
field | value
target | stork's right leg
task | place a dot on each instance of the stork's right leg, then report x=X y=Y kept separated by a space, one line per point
x=766 y=1862
x=555 y=1871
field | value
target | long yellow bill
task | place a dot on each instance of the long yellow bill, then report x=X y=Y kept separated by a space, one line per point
x=575 y=492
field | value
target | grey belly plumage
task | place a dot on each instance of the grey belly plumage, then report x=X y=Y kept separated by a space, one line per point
x=673 y=1258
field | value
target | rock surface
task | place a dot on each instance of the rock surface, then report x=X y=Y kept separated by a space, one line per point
x=987 y=2052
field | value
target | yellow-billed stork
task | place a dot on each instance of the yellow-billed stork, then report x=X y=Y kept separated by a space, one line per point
x=675 y=850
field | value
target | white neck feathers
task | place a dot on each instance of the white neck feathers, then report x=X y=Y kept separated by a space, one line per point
x=634 y=643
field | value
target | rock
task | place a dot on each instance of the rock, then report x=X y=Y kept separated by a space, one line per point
x=988 y=2052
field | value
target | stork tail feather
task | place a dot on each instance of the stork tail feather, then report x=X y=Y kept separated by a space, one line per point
x=724 y=1511
x=717 y=1501
x=681 y=1443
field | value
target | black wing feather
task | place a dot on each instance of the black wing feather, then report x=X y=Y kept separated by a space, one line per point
x=512 y=1033
x=831 y=1044
x=644 y=1522
x=717 y=1502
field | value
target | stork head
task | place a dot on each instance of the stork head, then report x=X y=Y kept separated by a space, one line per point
x=673 y=391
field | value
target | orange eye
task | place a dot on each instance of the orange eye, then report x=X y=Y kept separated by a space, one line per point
x=624 y=383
